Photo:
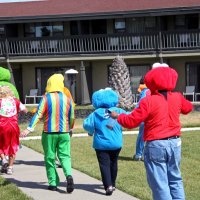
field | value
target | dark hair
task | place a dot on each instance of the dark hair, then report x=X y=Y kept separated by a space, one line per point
x=142 y=80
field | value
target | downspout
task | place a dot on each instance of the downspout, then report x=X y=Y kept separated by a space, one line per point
x=160 y=40
x=160 y=45
x=8 y=63
x=85 y=98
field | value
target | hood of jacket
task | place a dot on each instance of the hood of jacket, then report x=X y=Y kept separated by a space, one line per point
x=4 y=74
x=55 y=83
x=161 y=78
x=105 y=98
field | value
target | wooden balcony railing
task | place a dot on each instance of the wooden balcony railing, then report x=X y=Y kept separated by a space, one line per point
x=151 y=42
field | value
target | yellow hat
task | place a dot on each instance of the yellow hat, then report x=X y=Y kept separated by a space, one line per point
x=55 y=83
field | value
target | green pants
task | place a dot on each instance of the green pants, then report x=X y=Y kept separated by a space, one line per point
x=56 y=144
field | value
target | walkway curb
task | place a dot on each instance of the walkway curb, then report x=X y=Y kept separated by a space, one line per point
x=124 y=132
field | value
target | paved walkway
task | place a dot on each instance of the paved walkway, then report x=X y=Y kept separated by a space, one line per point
x=30 y=176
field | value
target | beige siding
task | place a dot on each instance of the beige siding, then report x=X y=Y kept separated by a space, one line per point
x=100 y=71
x=28 y=78
x=100 y=75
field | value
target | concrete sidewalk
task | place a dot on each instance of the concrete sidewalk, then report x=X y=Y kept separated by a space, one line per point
x=30 y=176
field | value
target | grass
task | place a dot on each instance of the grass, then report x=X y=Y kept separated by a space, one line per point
x=131 y=175
x=190 y=120
x=10 y=191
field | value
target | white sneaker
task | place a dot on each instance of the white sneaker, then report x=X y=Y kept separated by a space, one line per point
x=9 y=170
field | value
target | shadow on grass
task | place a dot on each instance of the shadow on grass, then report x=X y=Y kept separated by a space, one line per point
x=125 y=158
x=94 y=188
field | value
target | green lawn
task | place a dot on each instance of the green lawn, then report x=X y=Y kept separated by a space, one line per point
x=131 y=175
x=190 y=120
x=8 y=191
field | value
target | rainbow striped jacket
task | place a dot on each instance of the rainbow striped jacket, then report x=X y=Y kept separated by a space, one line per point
x=58 y=113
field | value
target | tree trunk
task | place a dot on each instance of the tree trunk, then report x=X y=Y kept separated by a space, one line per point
x=119 y=80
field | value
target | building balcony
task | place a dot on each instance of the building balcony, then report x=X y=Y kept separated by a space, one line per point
x=149 y=43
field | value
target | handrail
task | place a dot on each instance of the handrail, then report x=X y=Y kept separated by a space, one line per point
x=110 y=43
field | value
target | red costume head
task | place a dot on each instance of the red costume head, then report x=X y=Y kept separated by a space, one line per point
x=161 y=77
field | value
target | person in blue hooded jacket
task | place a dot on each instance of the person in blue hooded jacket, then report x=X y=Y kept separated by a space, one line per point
x=107 y=135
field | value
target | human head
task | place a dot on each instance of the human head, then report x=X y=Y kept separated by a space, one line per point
x=161 y=77
x=5 y=92
x=142 y=80
x=5 y=77
x=55 y=83
x=142 y=85
x=105 y=98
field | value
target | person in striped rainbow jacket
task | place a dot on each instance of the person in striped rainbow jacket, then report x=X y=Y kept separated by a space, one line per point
x=58 y=112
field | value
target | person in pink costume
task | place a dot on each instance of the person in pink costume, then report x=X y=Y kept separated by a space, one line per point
x=9 y=129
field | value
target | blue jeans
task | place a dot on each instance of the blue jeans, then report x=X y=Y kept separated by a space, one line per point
x=162 y=162
x=140 y=142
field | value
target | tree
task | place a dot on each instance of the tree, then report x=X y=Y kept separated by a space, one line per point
x=119 y=80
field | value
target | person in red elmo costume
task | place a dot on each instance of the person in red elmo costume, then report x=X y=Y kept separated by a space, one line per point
x=160 y=113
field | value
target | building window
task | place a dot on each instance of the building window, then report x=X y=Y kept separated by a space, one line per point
x=120 y=25
x=184 y=22
x=57 y=28
x=150 y=24
x=136 y=72
x=44 y=29
x=180 y=22
x=193 y=75
x=193 y=21
x=29 y=30
x=2 y=31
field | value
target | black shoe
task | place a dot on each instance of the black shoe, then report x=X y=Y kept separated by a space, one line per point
x=109 y=191
x=58 y=165
x=4 y=168
x=52 y=188
x=70 y=184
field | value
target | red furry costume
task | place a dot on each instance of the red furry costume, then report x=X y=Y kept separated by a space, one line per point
x=160 y=113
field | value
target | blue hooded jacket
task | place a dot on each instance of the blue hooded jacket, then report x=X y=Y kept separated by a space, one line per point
x=98 y=122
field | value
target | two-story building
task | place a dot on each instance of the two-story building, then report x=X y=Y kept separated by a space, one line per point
x=41 y=37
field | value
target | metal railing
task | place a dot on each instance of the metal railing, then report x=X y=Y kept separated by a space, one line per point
x=150 y=42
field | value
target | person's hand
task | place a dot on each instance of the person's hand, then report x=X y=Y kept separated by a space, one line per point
x=114 y=115
x=24 y=133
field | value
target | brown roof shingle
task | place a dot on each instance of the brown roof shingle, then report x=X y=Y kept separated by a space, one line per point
x=88 y=7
